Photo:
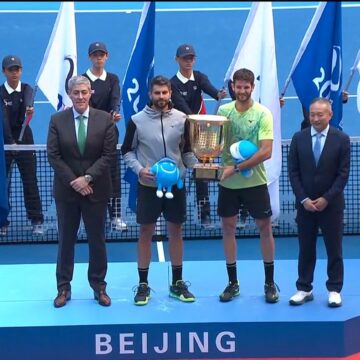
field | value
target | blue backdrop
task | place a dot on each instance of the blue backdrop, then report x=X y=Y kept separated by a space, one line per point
x=213 y=28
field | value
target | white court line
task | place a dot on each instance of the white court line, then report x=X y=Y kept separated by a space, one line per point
x=129 y=11
x=160 y=250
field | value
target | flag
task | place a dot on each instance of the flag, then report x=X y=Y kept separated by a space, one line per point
x=317 y=68
x=4 y=203
x=358 y=87
x=139 y=72
x=256 y=52
x=60 y=60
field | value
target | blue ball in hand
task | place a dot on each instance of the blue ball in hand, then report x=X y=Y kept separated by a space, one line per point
x=241 y=151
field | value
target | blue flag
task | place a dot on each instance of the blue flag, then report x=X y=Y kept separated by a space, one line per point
x=4 y=203
x=139 y=72
x=317 y=69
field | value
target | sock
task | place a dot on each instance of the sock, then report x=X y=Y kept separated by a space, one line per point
x=232 y=273
x=269 y=272
x=176 y=273
x=143 y=275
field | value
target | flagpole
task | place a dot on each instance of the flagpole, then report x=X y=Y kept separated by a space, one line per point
x=304 y=43
x=352 y=71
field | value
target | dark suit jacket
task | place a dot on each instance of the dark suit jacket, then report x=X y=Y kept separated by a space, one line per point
x=68 y=164
x=329 y=178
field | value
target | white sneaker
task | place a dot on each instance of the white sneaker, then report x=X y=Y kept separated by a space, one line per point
x=118 y=225
x=241 y=223
x=3 y=230
x=38 y=229
x=334 y=299
x=301 y=297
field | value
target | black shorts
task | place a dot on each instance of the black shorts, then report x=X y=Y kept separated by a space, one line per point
x=255 y=199
x=149 y=207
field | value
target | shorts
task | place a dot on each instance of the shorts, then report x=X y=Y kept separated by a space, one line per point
x=149 y=207
x=255 y=199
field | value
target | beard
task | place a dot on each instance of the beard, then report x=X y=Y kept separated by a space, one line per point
x=243 y=98
x=161 y=104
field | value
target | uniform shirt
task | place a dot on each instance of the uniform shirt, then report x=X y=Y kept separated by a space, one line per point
x=187 y=93
x=254 y=124
x=15 y=102
x=105 y=91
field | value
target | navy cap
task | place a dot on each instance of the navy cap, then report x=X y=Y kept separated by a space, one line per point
x=10 y=61
x=185 y=50
x=97 y=46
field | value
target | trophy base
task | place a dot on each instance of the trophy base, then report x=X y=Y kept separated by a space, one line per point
x=211 y=172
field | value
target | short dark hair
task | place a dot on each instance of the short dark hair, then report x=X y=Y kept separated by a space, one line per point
x=160 y=81
x=244 y=75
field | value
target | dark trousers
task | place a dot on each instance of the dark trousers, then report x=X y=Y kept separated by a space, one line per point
x=114 y=204
x=202 y=197
x=26 y=163
x=330 y=222
x=69 y=215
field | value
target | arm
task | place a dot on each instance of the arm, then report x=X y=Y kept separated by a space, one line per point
x=343 y=171
x=188 y=157
x=128 y=148
x=208 y=87
x=259 y=157
x=61 y=169
x=294 y=169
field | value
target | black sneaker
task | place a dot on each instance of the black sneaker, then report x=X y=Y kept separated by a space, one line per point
x=142 y=294
x=232 y=290
x=271 y=293
x=180 y=291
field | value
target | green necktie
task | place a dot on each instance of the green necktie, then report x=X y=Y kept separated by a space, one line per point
x=81 y=134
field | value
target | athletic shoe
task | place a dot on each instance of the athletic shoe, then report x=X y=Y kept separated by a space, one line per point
x=180 y=291
x=271 y=293
x=230 y=292
x=142 y=294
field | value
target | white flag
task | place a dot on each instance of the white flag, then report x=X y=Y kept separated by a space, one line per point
x=60 y=60
x=256 y=52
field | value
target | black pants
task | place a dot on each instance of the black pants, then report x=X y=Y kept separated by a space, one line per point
x=202 y=197
x=26 y=163
x=114 y=204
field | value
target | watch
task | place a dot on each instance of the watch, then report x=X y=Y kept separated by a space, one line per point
x=88 y=178
x=236 y=168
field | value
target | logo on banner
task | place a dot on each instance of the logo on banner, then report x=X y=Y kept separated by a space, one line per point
x=327 y=84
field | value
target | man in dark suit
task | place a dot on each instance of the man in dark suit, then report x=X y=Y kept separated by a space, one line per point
x=319 y=165
x=81 y=145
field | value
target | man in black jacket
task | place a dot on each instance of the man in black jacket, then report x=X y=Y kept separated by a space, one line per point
x=187 y=88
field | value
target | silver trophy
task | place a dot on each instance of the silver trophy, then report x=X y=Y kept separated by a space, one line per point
x=207 y=142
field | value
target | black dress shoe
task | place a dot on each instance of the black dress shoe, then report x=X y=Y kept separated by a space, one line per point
x=62 y=297
x=102 y=297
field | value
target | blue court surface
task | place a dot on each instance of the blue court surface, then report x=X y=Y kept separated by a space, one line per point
x=214 y=28
x=31 y=328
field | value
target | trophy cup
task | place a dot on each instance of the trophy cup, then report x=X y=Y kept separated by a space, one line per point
x=207 y=142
